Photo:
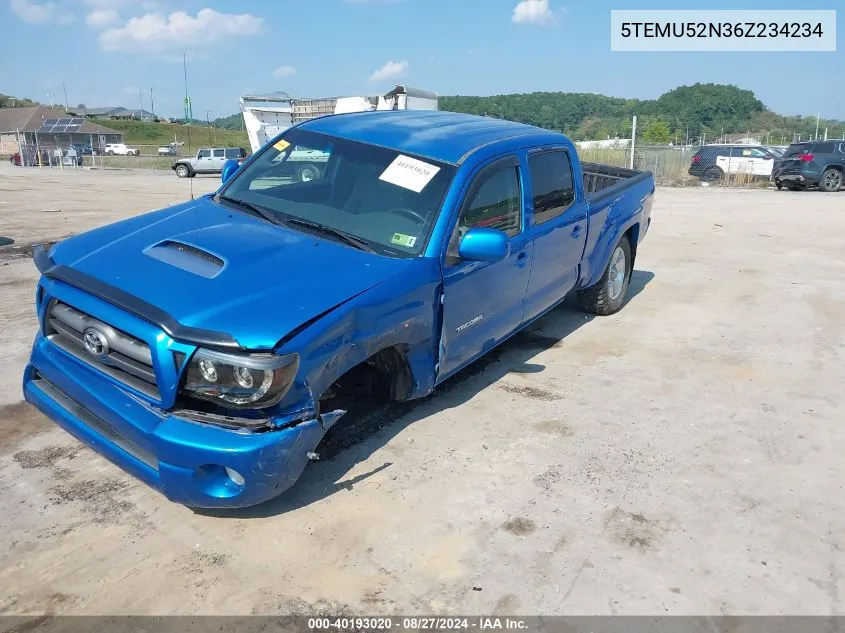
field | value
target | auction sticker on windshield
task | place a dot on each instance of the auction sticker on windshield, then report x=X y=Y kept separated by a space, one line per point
x=281 y=145
x=409 y=173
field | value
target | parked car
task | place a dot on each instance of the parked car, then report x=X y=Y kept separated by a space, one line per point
x=121 y=149
x=812 y=164
x=712 y=162
x=83 y=149
x=208 y=353
x=29 y=157
x=167 y=150
x=208 y=160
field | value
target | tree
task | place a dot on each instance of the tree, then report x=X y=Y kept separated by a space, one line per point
x=657 y=131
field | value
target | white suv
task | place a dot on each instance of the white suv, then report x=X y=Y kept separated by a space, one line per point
x=120 y=149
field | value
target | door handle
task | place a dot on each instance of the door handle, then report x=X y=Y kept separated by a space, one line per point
x=521 y=256
x=576 y=230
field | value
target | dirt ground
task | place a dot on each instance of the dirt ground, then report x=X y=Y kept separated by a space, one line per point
x=681 y=457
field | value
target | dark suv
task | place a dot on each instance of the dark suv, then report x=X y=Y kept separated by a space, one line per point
x=812 y=164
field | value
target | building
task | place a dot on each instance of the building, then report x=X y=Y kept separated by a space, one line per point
x=113 y=112
x=50 y=128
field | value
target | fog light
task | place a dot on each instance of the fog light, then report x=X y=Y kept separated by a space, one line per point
x=235 y=476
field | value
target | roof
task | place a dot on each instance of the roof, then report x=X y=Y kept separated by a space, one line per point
x=30 y=119
x=444 y=136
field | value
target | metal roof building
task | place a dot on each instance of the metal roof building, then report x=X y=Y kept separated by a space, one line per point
x=50 y=127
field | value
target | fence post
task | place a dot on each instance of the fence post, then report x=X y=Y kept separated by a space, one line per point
x=633 y=141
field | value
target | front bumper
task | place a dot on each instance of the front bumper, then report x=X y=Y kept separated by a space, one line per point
x=183 y=459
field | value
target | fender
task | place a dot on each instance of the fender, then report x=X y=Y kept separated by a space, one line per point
x=401 y=313
x=623 y=214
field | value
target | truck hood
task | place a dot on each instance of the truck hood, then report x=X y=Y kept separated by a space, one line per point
x=213 y=268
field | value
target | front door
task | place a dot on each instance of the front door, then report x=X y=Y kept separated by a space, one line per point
x=483 y=301
x=204 y=162
x=558 y=225
x=218 y=159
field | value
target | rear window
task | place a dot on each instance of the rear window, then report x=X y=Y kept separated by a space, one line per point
x=797 y=149
x=234 y=153
x=824 y=148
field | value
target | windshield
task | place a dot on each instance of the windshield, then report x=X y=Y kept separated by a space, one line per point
x=776 y=151
x=386 y=199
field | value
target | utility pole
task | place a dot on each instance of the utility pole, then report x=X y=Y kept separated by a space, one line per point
x=50 y=95
x=140 y=105
x=152 y=103
x=208 y=125
x=187 y=100
x=633 y=141
x=817 y=126
x=67 y=107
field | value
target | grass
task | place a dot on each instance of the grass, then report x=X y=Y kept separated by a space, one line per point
x=148 y=136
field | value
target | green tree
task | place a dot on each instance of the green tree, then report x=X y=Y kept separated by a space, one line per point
x=657 y=131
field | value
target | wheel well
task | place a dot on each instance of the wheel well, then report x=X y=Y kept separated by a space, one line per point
x=386 y=374
x=633 y=235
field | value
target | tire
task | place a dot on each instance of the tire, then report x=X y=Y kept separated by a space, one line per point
x=792 y=187
x=831 y=180
x=608 y=295
x=712 y=174
x=183 y=171
x=307 y=173
x=110 y=153
x=778 y=184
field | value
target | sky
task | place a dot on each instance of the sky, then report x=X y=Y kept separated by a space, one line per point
x=102 y=52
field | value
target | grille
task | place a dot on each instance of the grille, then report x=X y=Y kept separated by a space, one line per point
x=125 y=358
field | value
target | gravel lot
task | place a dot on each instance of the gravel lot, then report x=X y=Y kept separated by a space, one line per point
x=683 y=456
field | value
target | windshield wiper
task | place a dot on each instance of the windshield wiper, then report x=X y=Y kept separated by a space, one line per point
x=352 y=240
x=255 y=209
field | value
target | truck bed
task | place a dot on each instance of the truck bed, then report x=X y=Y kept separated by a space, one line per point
x=603 y=181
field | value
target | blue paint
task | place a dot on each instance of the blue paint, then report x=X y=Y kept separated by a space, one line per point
x=288 y=289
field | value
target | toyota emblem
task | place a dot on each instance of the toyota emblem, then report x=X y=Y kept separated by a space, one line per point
x=96 y=343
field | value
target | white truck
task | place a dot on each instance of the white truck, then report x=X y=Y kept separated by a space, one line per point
x=266 y=115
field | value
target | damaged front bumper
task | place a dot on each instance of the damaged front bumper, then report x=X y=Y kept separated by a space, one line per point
x=192 y=463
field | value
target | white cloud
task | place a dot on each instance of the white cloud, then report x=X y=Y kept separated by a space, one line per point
x=36 y=13
x=32 y=12
x=101 y=18
x=391 y=70
x=533 y=12
x=284 y=71
x=158 y=34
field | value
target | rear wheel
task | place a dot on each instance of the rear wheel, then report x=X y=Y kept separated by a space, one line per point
x=608 y=295
x=712 y=174
x=831 y=180
x=182 y=171
x=778 y=184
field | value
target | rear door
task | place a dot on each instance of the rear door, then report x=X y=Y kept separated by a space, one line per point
x=557 y=223
x=483 y=301
x=761 y=162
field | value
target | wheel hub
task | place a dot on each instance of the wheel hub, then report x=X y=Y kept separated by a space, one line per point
x=616 y=274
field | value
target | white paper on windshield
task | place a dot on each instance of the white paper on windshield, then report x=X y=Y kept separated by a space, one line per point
x=409 y=173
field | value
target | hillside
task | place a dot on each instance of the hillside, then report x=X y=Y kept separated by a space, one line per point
x=143 y=133
x=686 y=111
x=700 y=109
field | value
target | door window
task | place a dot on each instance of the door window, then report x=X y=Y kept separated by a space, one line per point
x=823 y=148
x=218 y=153
x=204 y=153
x=495 y=205
x=233 y=153
x=551 y=178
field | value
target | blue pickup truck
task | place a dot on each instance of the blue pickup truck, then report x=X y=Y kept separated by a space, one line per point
x=206 y=348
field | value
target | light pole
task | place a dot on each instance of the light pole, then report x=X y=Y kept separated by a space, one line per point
x=50 y=96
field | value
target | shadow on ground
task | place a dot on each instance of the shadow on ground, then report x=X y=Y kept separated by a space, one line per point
x=361 y=433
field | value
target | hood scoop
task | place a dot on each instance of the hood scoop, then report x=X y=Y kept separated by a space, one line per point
x=186 y=257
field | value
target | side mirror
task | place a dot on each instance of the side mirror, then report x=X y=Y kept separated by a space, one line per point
x=229 y=169
x=484 y=245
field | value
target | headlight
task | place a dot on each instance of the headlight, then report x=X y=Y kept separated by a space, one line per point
x=245 y=382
